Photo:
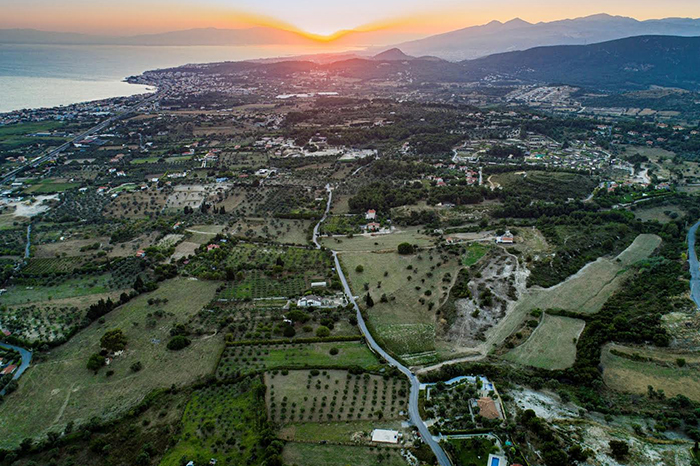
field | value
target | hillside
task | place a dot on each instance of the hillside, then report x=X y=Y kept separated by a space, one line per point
x=496 y=37
x=630 y=63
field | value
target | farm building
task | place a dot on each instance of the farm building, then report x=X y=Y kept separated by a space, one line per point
x=507 y=238
x=385 y=436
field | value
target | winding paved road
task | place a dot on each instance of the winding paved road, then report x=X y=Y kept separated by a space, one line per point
x=694 y=266
x=413 y=412
x=26 y=360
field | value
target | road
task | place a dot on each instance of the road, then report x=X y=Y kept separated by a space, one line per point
x=693 y=262
x=97 y=128
x=26 y=360
x=29 y=243
x=413 y=412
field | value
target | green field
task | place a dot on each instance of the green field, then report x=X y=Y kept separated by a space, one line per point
x=67 y=391
x=378 y=242
x=71 y=288
x=246 y=359
x=552 y=345
x=334 y=432
x=405 y=324
x=220 y=422
x=304 y=454
x=257 y=285
x=475 y=251
x=642 y=367
x=333 y=395
x=50 y=187
x=16 y=136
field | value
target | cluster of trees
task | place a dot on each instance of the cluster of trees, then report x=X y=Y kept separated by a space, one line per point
x=383 y=196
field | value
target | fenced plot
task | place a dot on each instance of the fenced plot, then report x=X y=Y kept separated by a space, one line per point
x=240 y=360
x=552 y=345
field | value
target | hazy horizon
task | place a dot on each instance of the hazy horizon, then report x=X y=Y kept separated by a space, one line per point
x=387 y=21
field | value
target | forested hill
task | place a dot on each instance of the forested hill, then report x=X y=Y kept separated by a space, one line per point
x=620 y=64
x=626 y=64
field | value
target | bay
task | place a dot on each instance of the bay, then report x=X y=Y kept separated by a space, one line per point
x=36 y=76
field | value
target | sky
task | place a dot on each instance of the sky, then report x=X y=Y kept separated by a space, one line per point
x=319 y=17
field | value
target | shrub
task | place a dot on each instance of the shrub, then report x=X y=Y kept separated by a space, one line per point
x=95 y=362
x=178 y=342
x=406 y=248
x=334 y=351
x=113 y=340
x=359 y=269
x=137 y=366
x=323 y=331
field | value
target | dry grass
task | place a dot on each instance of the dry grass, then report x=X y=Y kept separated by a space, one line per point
x=552 y=345
x=66 y=391
x=662 y=372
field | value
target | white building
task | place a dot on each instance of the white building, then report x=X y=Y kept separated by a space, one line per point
x=385 y=436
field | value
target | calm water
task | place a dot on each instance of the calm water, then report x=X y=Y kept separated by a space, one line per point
x=34 y=76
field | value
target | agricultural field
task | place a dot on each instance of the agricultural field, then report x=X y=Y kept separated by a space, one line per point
x=333 y=395
x=13 y=137
x=240 y=360
x=633 y=370
x=282 y=231
x=221 y=422
x=69 y=247
x=552 y=345
x=201 y=234
x=68 y=391
x=377 y=242
x=54 y=265
x=585 y=292
x=661 y=214
x=136 y=204
x=406 y=291
x=70 y=288
x=50 y=187
x=357 y=432
x=50 y=320
x=474 y=253
x=229 y=260
x=304 y=454
x=256 y=285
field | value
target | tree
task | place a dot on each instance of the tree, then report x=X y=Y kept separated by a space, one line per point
x=368 y=300
x=359 y=269
x=113 y=340
x=178 y=342
x=138 y=284
x=95 y=362
x=406 y=249
x=289 y=331
x=322 y=331
x=619 y=449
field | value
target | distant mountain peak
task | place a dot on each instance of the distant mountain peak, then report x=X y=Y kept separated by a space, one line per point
x=517 y=22
x=394 y=54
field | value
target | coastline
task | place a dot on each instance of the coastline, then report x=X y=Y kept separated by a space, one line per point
x=41 y=93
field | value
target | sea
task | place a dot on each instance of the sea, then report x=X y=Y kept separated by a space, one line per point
x=38 y=76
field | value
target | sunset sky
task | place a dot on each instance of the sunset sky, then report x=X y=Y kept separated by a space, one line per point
x=396 y=17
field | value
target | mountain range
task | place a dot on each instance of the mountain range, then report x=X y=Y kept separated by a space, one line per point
x=462 y=44
x=497 y=37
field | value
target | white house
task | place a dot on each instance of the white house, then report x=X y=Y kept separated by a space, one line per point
x=385 y=436
x=371 y=214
